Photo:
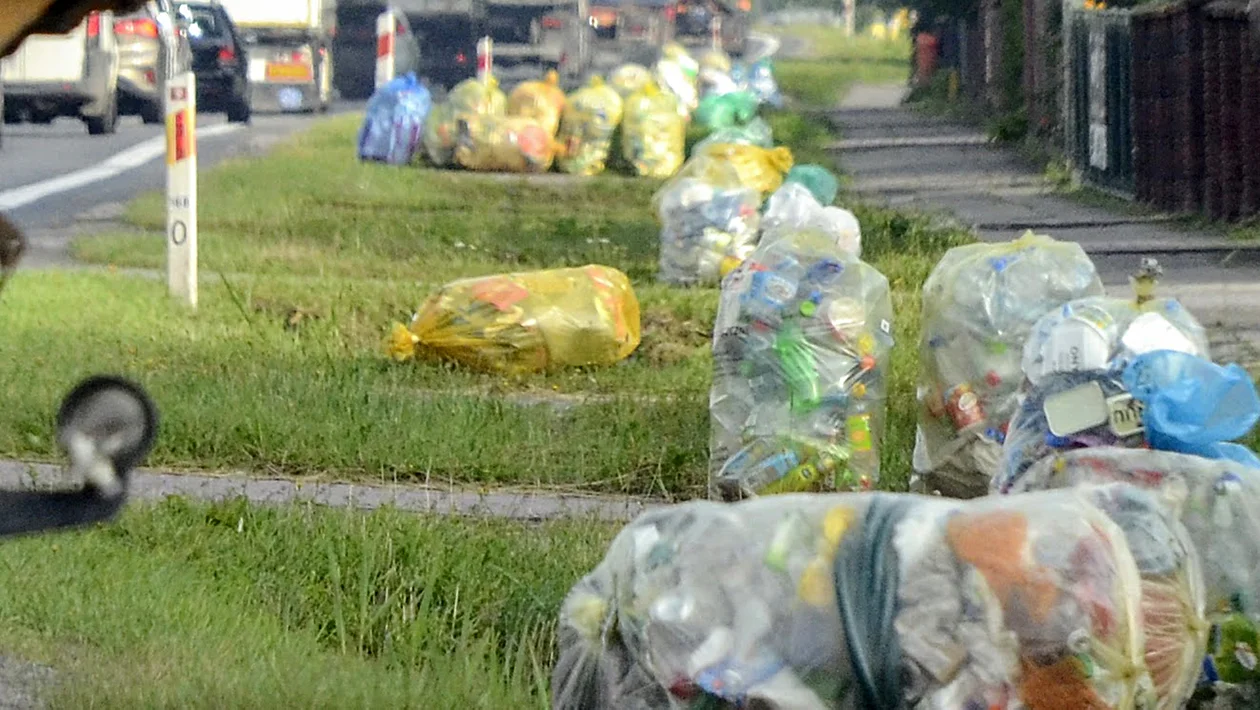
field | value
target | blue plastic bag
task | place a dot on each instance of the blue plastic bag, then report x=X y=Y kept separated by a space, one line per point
x=1194 y=406
x=394 y=123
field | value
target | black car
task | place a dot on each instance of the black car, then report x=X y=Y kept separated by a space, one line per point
x=218 y=59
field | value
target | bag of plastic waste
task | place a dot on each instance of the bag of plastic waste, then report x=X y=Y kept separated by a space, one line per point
x=756 y=133
x=504 y=144
x=542 y=101
x=726 y=110
x=763 y=85
x=629 y=79
x=653 y=134
x=590 y=119
x=801 y=351
x=759 y=168
x=1088 y=598
x=792 y=208
x=709 y=223
x=394 y=124
x=526 y=322
x=469 y=101
x=980 y=304
x=821 y=182
x=677 y=73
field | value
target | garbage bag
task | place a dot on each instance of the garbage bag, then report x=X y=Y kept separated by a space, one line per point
x=653 y=135
x=1079 y=599
x=821 y=182
x=678 y=73
x=726 y=110
x=542 y=101
x=394 y=125
x=526 y=322
x=504 y=144
x=714 y=82
x=1101 y=333
x=759 y=168
x=800 y=356
x=762 y=83
x=980 y=304
x=590 y=119
x=792 y=208
x=440 y=135
x=478 y=98
x=756 y=132
x=629 y=79
x=709 y=223
x=715 y=60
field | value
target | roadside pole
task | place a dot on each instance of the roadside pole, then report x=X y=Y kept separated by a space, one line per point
x=181 y=170
x=386 y=57
x=485 y=59
x=715 y=28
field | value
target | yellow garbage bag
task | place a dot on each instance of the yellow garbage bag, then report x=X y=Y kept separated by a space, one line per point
x=526 y=322
x=654 y=135
x=759 y=168
x=629 y=79
x=469 y=99
x=715 y=60
x=542 y=101
x=590 y=119
x=504 y=144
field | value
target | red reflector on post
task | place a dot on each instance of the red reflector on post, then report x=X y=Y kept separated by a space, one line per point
x=183 y=147
x=384 y=45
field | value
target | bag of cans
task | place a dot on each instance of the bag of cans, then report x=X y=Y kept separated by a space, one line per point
x=801 y=354
x=470 y=100
x=654 y=135
x=590 y=119
x=526 y=322
x=542 y=101
x=1089 y=598
x=709 y=223
x=980 y=304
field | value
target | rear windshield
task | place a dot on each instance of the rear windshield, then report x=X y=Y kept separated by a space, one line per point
x=202 y=22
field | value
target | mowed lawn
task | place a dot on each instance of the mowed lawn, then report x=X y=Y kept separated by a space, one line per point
x=308 y=257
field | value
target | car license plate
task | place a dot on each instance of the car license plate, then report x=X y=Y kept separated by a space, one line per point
x=289 y=72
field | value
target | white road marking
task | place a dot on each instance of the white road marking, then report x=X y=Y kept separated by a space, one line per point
x=129 y=159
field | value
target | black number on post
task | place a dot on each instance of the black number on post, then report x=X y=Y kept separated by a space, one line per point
x=179 y=232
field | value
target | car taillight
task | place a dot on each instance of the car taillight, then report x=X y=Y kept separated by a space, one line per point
x=552 y=23
x=227 y=55
x=94 y=24
x=139 y=28
x=461 y=58
x=400 y=29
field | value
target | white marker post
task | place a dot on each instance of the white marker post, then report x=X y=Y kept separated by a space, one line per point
x=386 y=56
x=485 y=59
x=181 y=186
x=715 y=27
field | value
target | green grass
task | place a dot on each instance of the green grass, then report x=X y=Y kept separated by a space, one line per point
x=196 y=606
x=282 y=370
x=837 y=63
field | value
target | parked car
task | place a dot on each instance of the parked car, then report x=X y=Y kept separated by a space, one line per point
x=354 y=48
x=140 y=65
x=73 y=74
x=219 y=61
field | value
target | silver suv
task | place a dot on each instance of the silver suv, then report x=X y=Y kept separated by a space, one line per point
x=74 y=74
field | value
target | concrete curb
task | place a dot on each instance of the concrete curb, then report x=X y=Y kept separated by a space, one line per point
x=149 y=485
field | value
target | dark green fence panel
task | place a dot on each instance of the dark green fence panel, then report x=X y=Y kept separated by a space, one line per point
x=1099 y=53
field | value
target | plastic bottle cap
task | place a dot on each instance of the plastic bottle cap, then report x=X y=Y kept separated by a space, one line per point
x=809 y=308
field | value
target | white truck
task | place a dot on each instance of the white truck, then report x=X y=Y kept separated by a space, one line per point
x=289 y=43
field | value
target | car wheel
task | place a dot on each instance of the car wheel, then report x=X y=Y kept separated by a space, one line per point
x=239 y=111
x=107 y=123
x=151 y=114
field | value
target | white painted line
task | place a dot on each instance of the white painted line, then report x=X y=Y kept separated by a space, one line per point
x=925 y=142
x=129 y=159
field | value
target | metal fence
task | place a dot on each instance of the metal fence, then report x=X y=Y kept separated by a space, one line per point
x=1098 y=48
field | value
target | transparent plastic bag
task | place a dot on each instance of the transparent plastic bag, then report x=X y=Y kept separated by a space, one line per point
x=504 y=144
x=1065 y=600
x=821 y=182
x=709 y=223
x=440 y=135
x=980 y=304
x=542 y=101
x=1101 y=333
x=793 y=208
x=591 y=117
x=759 y=168
x=762 y=83
x=756 y=132
x=526 y=322
x=678 y=73
x=801 y=353
x=1218 y=501
x=394 y=123
x=653 y=135
x=629 y=79
x=469 y=101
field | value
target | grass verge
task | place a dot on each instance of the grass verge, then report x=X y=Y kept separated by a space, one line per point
x=281 y=370
x=833 y=63
x=197 y=606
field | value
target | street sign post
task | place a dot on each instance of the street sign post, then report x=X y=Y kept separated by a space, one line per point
x=181 y=187
x=386 y=56
x=485 y=59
